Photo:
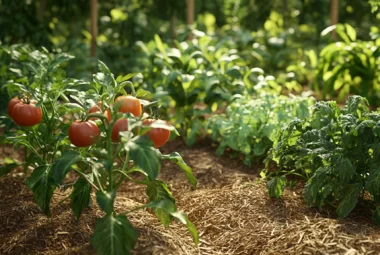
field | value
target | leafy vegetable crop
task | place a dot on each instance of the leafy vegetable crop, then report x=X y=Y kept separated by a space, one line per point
x=65 y=140
x=249 y=125
x=351 y=66
x=198 y=77
x=336 y=150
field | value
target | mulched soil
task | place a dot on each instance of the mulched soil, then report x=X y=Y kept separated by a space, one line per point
x=230 y=208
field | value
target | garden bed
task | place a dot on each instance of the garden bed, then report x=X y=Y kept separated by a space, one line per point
x=232 y=212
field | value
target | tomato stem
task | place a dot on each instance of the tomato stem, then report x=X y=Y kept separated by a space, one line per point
x=88 y=180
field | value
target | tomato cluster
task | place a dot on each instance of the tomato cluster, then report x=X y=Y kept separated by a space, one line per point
x=24 y=112
x=85 y=133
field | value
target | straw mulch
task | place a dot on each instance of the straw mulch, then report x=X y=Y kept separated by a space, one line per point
x=231 y=210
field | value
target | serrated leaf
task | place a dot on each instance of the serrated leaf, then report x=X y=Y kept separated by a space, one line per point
x=106 y=200
x=158 y=190
x=276 y=186
x=144 y=155
x=344 y=169
x=350 y=199
x=42 y=185
x=62 y=165
x=114 y=235
x=315 y=186
x=178 y=160
x=167 y=207
x=80 y=196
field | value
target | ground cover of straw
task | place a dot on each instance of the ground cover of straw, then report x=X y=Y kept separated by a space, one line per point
x=230 y=209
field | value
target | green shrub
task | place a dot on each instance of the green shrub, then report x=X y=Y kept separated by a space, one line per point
x=337 y=151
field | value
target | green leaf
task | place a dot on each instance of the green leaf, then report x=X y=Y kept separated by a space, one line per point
x=62 y=165
x=106 y=79
x=344 y=170
x=158 y=191
x=350 y=32
x=120 y=78
x=141 y=93
x=349 y=200
x=160 y=46
x=193 y=132
x=341 y=31
x=373 y=183
x=355 y=105
x=144 y=155
x=42 y=184
x=106 y=200
x=59 y=59
x=169 y=208
x=190 y=226
x=80 y=196
x=177 y=159
x=276 y=186
x=7 y=168
x=376 y=215
x=114 y=235
x=315 y=185
x=261 y=147
x=234 y=72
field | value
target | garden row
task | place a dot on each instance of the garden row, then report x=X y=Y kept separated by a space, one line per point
x=203 y=87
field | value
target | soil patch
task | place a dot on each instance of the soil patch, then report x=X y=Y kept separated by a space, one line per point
x=231 y=210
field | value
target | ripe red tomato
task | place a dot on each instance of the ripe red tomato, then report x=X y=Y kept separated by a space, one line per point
x=83 y=134
x=119 y=126
x=12 y=103
x=159 y=136
x=98 y=108
x=26 y=114
x=129 y=104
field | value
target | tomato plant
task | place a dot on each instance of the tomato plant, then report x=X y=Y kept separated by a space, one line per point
x=129 y=104
x=158 y=135
x=67 y=140
x=11 y=104
x=26 y=113
x=83 y=134
x=98 y=108
x=119 y=126
x=250 y=124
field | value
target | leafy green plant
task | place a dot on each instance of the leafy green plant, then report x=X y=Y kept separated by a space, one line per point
x=195 y=78
x=336 y=151
x=249 y=125
x=66 y=133
x=350 y=66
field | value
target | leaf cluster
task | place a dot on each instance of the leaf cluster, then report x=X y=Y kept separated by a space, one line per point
x=250 y=124
x=335 y=150
x=350 y=66
x=100 y=168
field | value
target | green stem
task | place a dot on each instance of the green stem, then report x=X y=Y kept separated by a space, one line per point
x=126 y=176
x=98 y=181
x=88 y=180
x=131 y=86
